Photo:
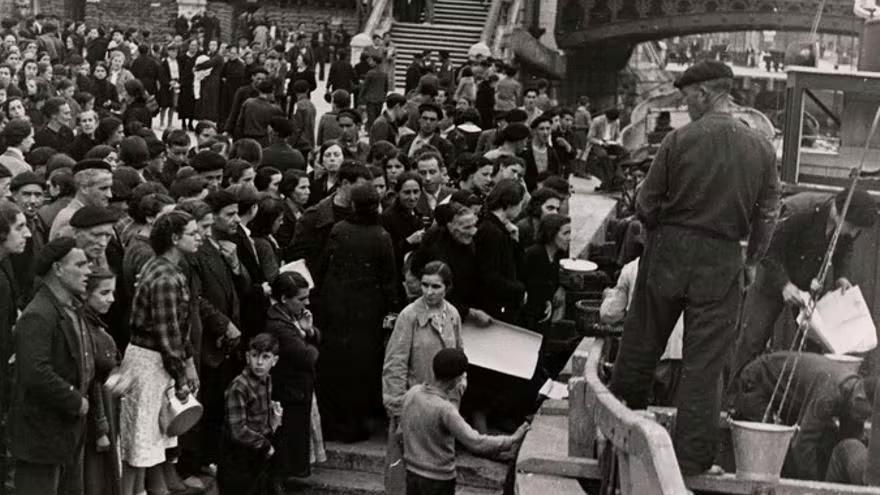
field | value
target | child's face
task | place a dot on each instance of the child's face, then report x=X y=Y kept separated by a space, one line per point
x=261 y=363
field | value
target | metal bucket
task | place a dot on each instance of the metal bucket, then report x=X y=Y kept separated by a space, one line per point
x=759 y=449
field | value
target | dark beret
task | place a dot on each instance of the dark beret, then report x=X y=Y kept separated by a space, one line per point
x=16 y=130
x=54 y=251
x=91 y=164
x=120 y=190
x=218 y=200
x=517 y=115
x=515 y=132
x=449 y=363
x=26 y=179
x=301 y=86
x=207 y=161
x=394 y=99
x=706 y=70
x=90 y=216
x=541 y=119
x=862 y=209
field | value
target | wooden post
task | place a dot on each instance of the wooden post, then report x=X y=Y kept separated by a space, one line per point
x=581 y=428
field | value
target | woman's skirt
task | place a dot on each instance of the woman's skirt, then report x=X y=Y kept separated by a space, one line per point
x=142 y=441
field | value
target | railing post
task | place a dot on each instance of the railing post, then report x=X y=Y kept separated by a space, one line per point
x=581 y=428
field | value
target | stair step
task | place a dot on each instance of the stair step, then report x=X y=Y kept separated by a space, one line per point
x=369 y=457
x=401 y=27
x=324 y=481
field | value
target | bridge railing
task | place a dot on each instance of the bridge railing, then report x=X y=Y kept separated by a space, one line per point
x=646 y=459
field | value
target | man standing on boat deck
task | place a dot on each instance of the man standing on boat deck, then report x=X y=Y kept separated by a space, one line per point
x=712 y=183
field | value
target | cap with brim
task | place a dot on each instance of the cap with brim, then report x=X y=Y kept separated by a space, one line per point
x=91 y=164
x=52 y=252
x=26 y=179
x=706 y=70
x=91 y=216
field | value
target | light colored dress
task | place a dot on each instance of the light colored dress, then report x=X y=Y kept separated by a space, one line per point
x=142 y=442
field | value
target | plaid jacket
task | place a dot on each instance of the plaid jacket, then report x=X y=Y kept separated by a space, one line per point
x=248 y=409
x=160 y=315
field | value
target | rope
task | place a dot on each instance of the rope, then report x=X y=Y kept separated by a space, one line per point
x=820 y=281
x=816 y=20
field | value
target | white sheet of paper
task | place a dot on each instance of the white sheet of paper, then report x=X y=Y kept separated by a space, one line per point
x=554 y=390
x=299 y=266
x=843 y=322
x=502 y=347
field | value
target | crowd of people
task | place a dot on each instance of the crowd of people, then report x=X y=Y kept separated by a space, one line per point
x=297 y=276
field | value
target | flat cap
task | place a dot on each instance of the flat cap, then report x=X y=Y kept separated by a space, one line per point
x=91 y=216
x=91 y=164
x=54 y=251
x=706 y=70
x=207 y=161
x=515 y=132
x=26 y=179
x=449 y=363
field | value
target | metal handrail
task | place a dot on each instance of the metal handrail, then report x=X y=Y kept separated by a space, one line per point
x=491 y=21
x=376 y=15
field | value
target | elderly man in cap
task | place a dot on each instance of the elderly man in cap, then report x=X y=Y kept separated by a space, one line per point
x=209 y=165
x=725 y=189
x=54 y=371
x=28 y=192
x=94 y=182
x=19 y=138
x=93 y=231
x=807 y=222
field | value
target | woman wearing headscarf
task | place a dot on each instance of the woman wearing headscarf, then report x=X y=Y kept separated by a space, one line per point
x=358 y=290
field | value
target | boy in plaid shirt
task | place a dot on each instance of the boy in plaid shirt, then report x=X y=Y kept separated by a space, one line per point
x=251 y=419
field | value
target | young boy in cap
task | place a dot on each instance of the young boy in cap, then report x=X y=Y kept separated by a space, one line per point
x=431 y=424
x=251 y=420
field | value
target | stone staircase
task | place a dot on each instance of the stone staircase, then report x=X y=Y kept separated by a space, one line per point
x=358 y=469
x=457 y=26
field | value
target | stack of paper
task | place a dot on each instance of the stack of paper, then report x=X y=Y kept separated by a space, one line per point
x=843 y=323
